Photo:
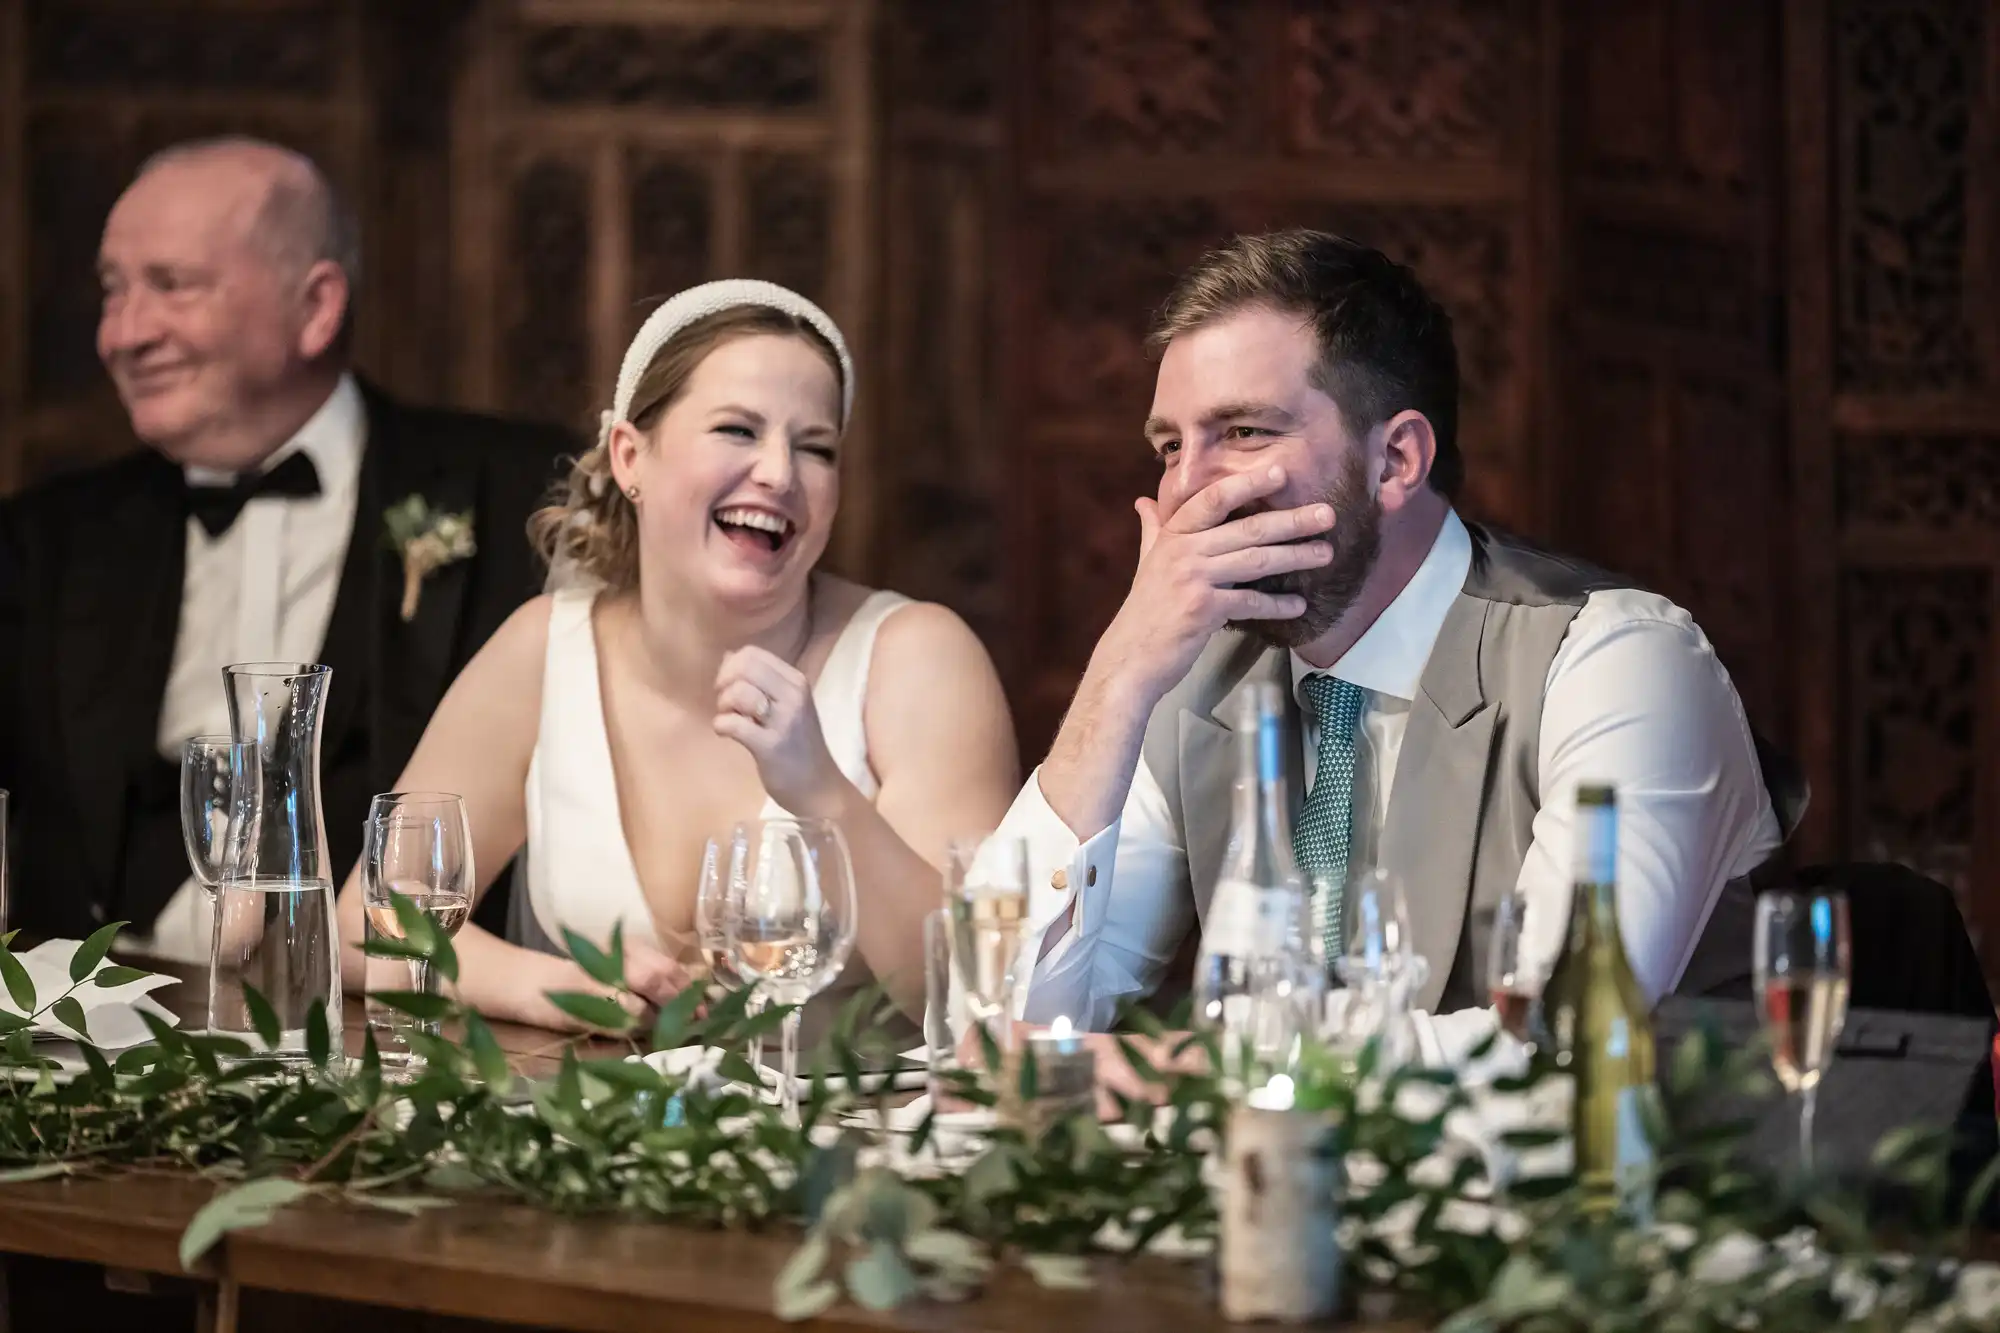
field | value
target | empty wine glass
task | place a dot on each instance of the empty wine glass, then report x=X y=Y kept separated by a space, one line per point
x=218 y=786
x=1381 y=966
x=1803 y=965
x=790 y=921
x=1377 y=927
x=419 y=845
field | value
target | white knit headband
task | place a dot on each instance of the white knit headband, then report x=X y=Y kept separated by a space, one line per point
x=708 y=299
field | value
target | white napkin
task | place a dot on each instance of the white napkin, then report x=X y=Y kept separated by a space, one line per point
x=111 y=1013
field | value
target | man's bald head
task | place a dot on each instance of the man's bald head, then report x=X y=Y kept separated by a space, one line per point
x=302 y=220
x=227 y=267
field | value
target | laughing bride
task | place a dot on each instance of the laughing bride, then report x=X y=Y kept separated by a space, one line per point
x=692 y=670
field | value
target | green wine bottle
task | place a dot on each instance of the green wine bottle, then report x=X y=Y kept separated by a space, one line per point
x=1603 y=1029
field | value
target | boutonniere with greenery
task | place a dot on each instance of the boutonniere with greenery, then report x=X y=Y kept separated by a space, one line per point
x=427 y=540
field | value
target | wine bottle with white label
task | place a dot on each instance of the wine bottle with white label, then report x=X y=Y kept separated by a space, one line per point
x=1603 y=1028
x=1258 y=982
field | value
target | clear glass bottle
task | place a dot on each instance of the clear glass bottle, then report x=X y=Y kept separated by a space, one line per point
x=1259 y=977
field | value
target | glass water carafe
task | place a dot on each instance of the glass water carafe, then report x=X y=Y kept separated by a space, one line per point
x=274 y=908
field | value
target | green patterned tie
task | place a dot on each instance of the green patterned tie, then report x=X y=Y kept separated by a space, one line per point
x=1326 y=822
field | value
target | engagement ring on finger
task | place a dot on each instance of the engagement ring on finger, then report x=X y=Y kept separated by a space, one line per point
x=763 y=707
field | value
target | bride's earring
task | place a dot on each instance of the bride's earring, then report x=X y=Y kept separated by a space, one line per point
x=632 y=494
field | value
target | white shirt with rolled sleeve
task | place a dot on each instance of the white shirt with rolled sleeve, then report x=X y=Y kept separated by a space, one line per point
x=1635 y=697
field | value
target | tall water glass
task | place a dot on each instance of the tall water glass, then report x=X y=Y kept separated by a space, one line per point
x=1803 y=965
x=218 y=789
x=274 y=904
x=941 y=992
x=419 y=845
x=790 y=921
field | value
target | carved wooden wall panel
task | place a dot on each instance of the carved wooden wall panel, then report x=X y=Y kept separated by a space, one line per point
x=1147 y=131
x=946 y=464
x=1895 y=347
x=1671 y=380
x=607 y=155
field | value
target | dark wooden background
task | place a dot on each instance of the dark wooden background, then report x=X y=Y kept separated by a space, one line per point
x=1726 y=275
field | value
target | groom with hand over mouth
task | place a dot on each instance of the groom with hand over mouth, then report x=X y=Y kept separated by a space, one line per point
x=1457 y=682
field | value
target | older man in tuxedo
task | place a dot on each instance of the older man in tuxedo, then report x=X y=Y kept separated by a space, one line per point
x=251 y=528
x=1452 y=685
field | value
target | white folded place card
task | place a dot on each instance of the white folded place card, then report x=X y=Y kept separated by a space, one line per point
x=111 y=1013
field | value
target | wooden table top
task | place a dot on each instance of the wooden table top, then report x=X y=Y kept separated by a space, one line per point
x=517 y=1264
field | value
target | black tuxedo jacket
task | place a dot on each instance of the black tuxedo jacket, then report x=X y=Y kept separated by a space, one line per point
x=90 y=596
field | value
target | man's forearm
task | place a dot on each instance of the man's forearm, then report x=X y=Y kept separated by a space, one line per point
x=1090 y=767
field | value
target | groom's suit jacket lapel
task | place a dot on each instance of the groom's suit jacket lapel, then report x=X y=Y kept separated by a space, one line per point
x=115 y=622
x=388 y=672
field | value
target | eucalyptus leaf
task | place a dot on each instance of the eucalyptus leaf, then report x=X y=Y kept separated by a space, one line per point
x=417 y=927
x=385 y=946
x=250 y=1205
x=596 y=964
x=423 y=1005
x=595 y=1011
x=319 y=1038
x=880 y=1278
x=487 y=1057
x=408 y=1205
x=20 y=986
x=1523 y=1290
x=70 y=1014
x=953 y=1251
x=91 y=952
x=444 y=958
x=675 y=1015
x=803 y=1269
x=808 y=1302
x=262 y=1017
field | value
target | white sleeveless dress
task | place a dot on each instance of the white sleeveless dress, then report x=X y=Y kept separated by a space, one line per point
x=580 y=870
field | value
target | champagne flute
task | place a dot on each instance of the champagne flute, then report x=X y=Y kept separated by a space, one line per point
x=790 y=921
x=986 y=895
x=417 y=844
x=218 y=787
x=1803 y=964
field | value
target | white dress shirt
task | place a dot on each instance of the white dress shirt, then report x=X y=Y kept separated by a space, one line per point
x=263 y=591
x=1635 y=696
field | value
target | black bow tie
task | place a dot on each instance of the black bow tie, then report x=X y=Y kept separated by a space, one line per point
x=218 y=506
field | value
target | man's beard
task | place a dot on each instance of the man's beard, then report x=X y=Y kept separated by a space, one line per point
x=1329 y=590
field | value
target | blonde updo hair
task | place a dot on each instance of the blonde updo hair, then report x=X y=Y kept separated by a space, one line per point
x=590 y=526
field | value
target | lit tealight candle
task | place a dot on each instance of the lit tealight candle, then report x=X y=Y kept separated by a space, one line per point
x=1065 y=1072
x=1277 y=1095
